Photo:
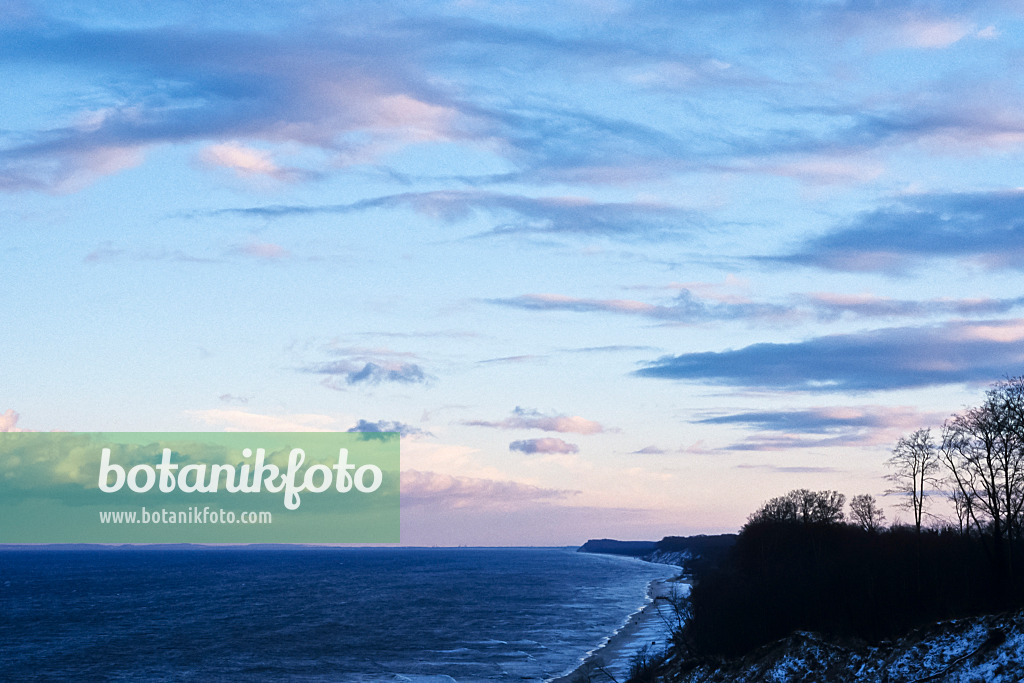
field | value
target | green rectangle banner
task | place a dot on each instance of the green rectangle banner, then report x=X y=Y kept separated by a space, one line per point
x=203 y=487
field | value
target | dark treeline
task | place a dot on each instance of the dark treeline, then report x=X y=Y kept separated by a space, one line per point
x=798 y=563
x=837 y=579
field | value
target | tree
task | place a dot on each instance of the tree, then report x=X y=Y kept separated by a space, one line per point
x=803 y=505
x=915 y=464
x=866 y=513
x=962 y=507
x=983 y=451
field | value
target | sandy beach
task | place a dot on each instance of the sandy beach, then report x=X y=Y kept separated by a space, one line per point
x=649 y=626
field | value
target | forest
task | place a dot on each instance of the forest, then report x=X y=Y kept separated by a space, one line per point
x=801 y=562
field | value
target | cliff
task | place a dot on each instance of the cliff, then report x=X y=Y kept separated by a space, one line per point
x=675 y=550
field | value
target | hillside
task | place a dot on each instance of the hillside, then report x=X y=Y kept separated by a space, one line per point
x=684 y=551
x=987 y=649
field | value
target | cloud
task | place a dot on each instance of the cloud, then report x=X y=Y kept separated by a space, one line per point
x=353 y=88
x=342 y=94
x=649 y=450
x=513 y=359
x=841 y=147
x=830 y=306
x=108 y=253
x=249 y=162
x=335 y=88
x=933 y=33
x=518 y=214
x=615 y=348
x=524 y=418
x=902 y=23
x=244 y=421
x=825 y=427
x=685 y=308
x=981 y=227
x=263 y=251
x=9 y=421
x=432 y=488
x=789 y=469
x=816 y=420
x=545 y=445
x=368 y=366
x=892 y=358
x=823 y=306
x=339 y=88
x=387 y=426
x=370 y=372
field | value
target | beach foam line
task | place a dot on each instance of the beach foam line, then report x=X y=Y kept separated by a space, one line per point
x=651 y=625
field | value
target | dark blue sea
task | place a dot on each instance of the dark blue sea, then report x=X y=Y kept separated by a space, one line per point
x=310 y=614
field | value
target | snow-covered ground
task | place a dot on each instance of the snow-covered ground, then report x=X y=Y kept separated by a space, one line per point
x=986 y=649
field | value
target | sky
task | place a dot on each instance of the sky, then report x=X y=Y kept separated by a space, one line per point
x=613 y=269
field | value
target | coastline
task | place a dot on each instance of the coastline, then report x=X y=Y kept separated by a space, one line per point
x=647 y=626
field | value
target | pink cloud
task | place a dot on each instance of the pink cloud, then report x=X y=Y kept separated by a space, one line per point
x=245 y=161
x=523 y=418
x=9 y=421
x=432 y=488
x=264 y=251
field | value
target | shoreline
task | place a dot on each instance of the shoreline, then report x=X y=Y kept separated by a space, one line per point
x=614 y=654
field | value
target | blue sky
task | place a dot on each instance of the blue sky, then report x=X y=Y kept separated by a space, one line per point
x=613 y=268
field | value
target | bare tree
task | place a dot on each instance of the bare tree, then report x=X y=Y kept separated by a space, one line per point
x=866 y=513
x=1008 y=395
x=803 y=505
x=827 y=507
x=983 y=451
x=914 y=464
x=962 y=507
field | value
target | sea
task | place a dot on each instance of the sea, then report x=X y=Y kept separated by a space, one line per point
x=419 y=615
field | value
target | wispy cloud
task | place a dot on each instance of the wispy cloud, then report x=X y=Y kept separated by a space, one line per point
x=108 y=253
x=829 y=306
x=315 y=88
x=615 y=348
x=544 y=445
x=262 y=251
x=789 y=469
x=512 y=359
x=354 y=91
x=649 y=450
x=899 y=23
x=245 y=421
x=982 y=227
x=830 y=426
x=892 y=358
x=432 y=488
x=517 y=214
x=819 y=420
x=686 y=307
x=525 y=418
